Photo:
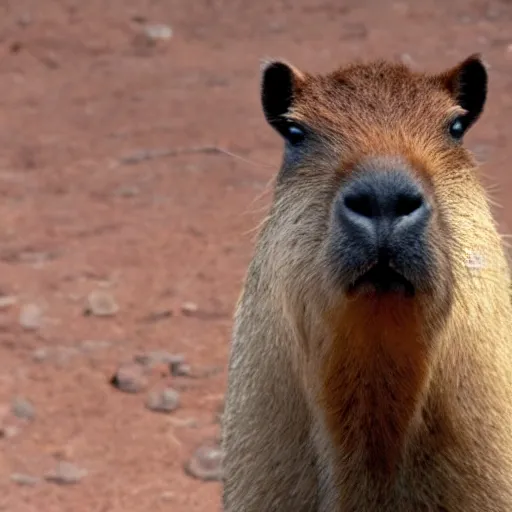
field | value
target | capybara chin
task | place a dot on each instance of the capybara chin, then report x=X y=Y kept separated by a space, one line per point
x=371 y=364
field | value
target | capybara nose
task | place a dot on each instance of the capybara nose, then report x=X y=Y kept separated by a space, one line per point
x=377 y=205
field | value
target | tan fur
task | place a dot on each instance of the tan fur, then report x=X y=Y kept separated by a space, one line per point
x=337 y=404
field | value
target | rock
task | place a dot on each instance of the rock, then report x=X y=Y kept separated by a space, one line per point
x=41 y=354
x=66 y=473
x=276 y=27
x=189 y=308
x=183 y=422
x=94 y=345
x=158 y=316
x=167 y=496
x=25 y=20
x=23 y=479
x=31 y=317
x=151 y=36
x=23 y=409
x=127 y=191
x=101 y=303
x=157 y=32
x=206 y=463
x=59 y=354
x=7 y=301
x=180 y=369
x=130 y=378
x=36 y=258
x=159 y=357
x=9 y=431
x=167 y=400
x=50 y=60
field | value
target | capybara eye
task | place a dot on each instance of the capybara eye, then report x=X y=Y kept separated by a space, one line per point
x=293 y=133
x=457 y=128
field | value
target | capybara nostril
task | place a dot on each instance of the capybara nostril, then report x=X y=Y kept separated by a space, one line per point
x=379 y=193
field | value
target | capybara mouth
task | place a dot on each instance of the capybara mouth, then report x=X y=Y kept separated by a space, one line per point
x=381 y=279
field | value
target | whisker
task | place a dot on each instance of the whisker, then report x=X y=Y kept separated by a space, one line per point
x=244 y=159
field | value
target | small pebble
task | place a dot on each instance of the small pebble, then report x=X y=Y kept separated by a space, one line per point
x=158 y=357
x=101 y=303
x=189 y=308
x=23 y=409
x=7 y=301
x=5 y=412
x=25 y=480
x=183 y=422
x=31 y=317
x=157 y=316
x=130 y=378
x=59 y=354
x=205 y=464
x=37 y=258
x=180 y=369
x=9 y=431
x=66 y=474
x=41 y=354
x=167 y=496
x=127 y=191
x=93 y=345
x=25 y=19
x=167 y=400
x=157 y=32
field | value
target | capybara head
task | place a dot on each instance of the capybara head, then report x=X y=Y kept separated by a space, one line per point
x=375 y=182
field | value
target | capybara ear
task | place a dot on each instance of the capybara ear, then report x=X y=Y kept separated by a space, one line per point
x=467 y=83
x=279 y=85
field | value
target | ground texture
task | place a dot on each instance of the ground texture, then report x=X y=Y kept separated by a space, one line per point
x=127 y=223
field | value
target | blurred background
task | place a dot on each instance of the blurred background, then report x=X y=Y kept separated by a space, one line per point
x=135 y=165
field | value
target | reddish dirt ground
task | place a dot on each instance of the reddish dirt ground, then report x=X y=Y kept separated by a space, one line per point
x=82 y=89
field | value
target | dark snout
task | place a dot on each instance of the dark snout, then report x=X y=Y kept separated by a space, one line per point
x=383 y=207
x=381 y=221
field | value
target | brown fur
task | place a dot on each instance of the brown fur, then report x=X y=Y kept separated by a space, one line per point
x=339 y=404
